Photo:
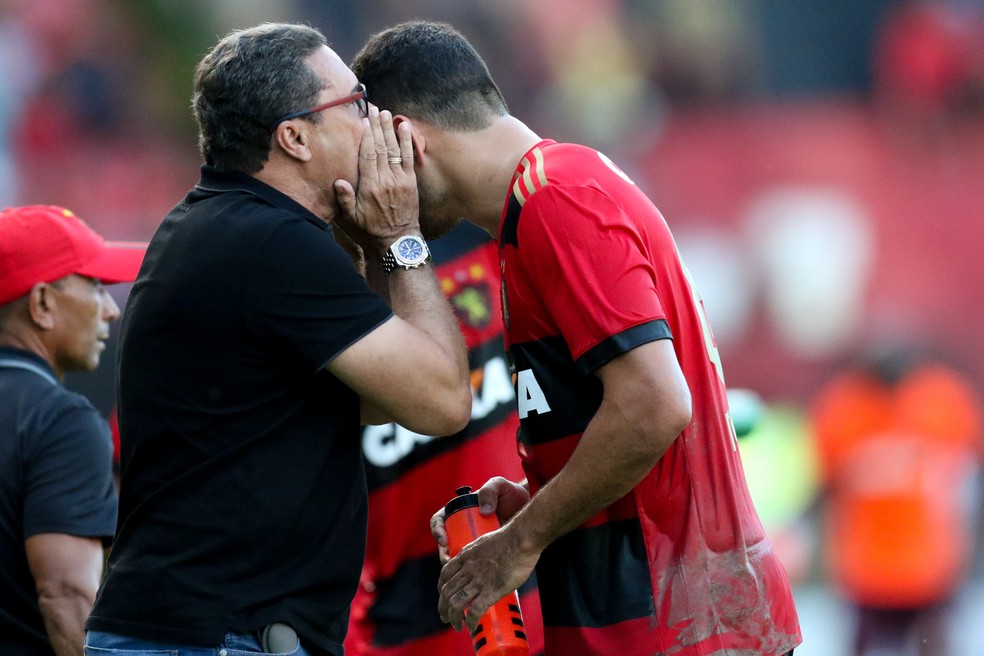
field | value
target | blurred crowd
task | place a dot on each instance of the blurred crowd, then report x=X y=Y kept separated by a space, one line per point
x=94 y=100
x=817 y=161
x=86 y=73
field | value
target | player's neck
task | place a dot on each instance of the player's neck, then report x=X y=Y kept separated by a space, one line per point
x=494 y=154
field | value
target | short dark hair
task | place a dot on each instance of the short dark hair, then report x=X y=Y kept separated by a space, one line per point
x=429 y=71
x=246 y=82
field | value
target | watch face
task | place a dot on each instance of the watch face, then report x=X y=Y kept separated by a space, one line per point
x=410 y=250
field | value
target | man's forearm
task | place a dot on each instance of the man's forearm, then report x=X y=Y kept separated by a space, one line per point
x=600 y=471
x=67 y=570
x=646 y=406
x=64 y=619
x=415 y=296
x=421 y=345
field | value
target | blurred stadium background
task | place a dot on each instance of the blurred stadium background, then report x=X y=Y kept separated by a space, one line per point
x=821 y=163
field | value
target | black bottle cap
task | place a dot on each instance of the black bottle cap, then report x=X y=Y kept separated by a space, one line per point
x=465 y=499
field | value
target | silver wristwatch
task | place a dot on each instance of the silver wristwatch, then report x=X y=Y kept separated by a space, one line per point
x=408 y=252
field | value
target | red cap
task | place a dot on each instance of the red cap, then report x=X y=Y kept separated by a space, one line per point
x=42 y=243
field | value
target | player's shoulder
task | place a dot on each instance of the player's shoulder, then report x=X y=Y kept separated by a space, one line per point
x=557 y=177
x=551 y=162
x=47 y=413
x=554 y=166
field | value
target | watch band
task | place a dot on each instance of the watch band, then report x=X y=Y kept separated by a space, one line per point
x=389 y=262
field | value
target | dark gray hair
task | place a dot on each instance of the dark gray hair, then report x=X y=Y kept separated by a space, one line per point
x=247 y=81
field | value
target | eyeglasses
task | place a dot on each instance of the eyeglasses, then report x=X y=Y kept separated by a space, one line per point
x=360 y=98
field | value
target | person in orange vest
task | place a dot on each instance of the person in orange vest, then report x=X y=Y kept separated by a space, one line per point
x=899 y=443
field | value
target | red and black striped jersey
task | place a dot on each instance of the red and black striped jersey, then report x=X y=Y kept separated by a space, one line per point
x=410 y=476
x=680 y=565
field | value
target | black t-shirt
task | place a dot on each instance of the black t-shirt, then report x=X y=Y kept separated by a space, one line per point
x=55 y=477
x=243 y=498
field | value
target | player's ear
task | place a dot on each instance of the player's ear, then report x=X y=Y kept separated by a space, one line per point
x=416 y=137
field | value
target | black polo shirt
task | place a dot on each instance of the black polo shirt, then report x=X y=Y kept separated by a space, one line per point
x=243 y=497
x=55 y=477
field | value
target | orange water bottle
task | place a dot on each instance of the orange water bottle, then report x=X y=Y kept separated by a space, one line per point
x=500 y=632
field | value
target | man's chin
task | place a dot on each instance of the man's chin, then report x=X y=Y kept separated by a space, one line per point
x=92 y=363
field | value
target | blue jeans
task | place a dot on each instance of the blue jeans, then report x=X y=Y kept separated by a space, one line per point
x=98 y=643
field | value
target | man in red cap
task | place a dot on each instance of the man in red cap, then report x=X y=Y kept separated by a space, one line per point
x=57 y=498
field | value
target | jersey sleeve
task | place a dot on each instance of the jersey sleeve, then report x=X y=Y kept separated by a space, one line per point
x=68 y=479
x=311 y=298
x=591 y=269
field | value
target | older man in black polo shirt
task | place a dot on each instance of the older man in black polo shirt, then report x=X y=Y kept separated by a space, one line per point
x=251 y=344
x=57 y=499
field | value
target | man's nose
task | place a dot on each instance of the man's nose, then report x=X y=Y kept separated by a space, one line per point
x=111 y=311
